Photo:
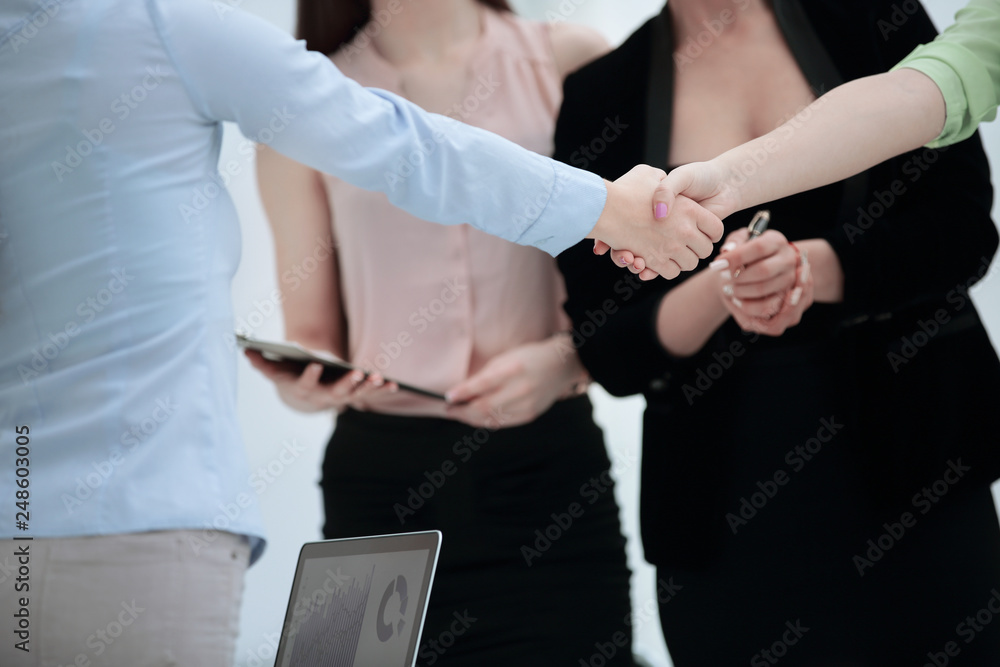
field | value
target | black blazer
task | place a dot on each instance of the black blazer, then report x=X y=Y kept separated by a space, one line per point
x=901 y=269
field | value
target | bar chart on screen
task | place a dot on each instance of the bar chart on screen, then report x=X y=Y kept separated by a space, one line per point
x=329 y=635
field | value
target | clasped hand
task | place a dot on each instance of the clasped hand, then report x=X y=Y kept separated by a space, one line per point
x=664 y=238
x=765 y=284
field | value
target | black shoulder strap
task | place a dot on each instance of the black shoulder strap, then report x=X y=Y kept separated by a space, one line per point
x=822 y=75
x=660 y=92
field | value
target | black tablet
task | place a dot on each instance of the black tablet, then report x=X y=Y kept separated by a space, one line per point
x=295 y=358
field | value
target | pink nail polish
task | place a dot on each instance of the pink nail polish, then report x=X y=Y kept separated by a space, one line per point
x=661 y=211
x=719 y=264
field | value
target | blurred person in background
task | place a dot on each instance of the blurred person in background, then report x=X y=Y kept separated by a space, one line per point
x=821 y=427
x=936 y=96
x=515 y=457
x=122 y=456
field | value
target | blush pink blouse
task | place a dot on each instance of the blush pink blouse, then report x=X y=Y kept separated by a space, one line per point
x=429 y=304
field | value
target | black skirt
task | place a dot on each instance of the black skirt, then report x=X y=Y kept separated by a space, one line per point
x=533 y=559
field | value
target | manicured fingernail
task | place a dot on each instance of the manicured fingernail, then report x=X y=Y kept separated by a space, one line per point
x=661 y=211
x=719 y=264
x=729 y=246
x=357 y=376
x=737 y=302
x=727 y=290
x=804 y=276
x=727 y=275
x=796 y=295
x=623 y=262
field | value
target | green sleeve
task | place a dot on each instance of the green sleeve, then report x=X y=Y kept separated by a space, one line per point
x=964 y=62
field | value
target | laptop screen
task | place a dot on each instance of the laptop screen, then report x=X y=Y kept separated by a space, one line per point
x=359 y=602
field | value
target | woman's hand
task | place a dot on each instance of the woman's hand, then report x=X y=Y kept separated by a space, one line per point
x=306 y=393
x=765 y=284
x=518 y=386
x=683 y=211
x=707 y=183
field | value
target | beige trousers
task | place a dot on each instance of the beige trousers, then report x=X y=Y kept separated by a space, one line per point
x=132 y=600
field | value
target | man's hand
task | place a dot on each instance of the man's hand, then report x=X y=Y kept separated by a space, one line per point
x=667 y=240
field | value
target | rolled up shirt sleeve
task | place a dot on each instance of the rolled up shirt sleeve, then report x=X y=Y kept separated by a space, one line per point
x=240 y=68
x=964 y=62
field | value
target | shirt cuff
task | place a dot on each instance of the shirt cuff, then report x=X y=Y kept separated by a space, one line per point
x=575 y=203
x=964 y=83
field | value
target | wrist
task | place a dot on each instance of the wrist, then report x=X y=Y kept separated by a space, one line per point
x=827 y=273
x=738 y=190
x=604 y=227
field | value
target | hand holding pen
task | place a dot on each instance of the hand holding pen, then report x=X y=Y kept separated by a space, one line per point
x=764 y=280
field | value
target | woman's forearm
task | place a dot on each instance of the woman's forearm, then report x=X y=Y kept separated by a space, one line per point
x=690 y=314
x=826 y=270
x=850 y=129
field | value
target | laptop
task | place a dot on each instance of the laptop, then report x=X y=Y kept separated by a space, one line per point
x=359 y=602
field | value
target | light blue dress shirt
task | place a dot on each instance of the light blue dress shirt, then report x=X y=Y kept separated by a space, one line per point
x=118 y=245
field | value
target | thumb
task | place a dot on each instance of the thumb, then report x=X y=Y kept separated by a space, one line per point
x=665 y=194
x=485 y=381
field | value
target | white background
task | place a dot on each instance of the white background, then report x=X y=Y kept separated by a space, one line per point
x=291 y=504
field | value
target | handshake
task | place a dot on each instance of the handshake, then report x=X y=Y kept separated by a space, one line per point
x=662 y=239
